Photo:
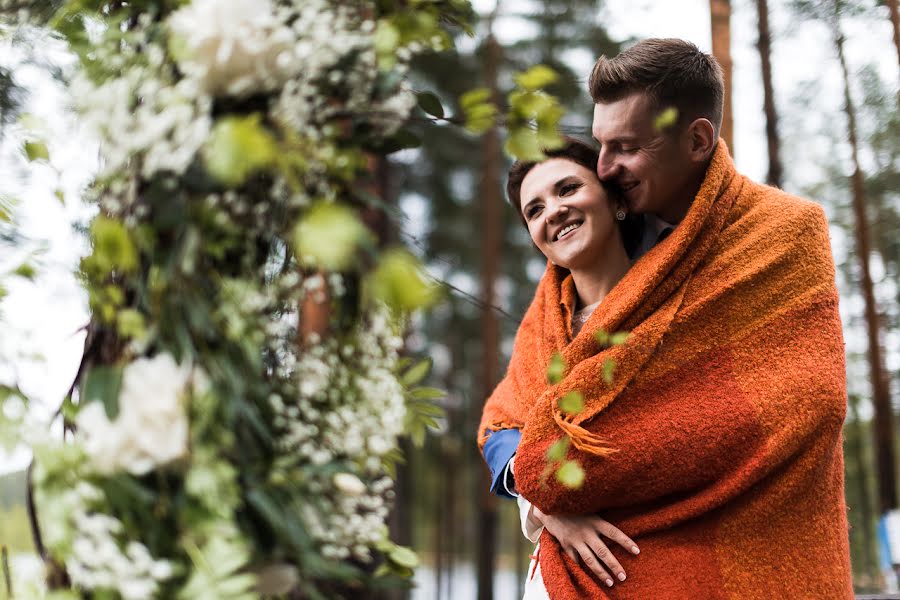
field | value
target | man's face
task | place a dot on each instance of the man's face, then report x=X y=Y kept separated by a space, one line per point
x=651 y=167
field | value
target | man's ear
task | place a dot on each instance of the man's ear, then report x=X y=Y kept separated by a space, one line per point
x=701 y=140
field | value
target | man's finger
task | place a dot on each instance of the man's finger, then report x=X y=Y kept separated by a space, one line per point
x=615 y=534
x=589 y=557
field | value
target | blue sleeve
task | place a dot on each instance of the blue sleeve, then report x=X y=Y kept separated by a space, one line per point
x=498 y=449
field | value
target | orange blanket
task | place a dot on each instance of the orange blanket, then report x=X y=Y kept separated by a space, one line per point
x=717 y=446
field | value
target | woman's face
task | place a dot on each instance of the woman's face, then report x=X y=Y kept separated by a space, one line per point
x=569 y=214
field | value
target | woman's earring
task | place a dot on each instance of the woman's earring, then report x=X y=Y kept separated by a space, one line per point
x=620 y=214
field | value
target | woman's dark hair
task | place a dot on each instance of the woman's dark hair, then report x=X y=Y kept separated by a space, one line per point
x=583 y=154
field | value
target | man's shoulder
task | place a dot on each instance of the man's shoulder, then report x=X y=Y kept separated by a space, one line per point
x=774 y=207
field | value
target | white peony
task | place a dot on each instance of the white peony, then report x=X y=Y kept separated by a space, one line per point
x=152 y=425
x=233 y=47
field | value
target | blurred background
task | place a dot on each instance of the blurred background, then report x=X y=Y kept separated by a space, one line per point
x=812 y=89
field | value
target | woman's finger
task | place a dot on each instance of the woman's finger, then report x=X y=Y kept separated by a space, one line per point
x=615 y=534
x=589 y=557
x=607 y=558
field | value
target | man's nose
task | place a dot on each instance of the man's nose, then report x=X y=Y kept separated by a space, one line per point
x=607 y=167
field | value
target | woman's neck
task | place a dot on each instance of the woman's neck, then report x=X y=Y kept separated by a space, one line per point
x=592 y=285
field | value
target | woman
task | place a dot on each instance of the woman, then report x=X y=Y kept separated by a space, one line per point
x=577 y=224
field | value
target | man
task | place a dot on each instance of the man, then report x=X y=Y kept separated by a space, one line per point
x=718 y=446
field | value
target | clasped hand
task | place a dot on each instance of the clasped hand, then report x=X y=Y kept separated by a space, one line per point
x=582 y=536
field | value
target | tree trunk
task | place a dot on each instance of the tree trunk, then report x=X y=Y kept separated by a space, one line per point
x=764 y=44
x=881 y=400
x=720 y=18
x=862 y=483
x=895 y=22
x=491 y=228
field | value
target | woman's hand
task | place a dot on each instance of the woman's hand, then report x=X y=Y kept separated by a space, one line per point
x=582 y=536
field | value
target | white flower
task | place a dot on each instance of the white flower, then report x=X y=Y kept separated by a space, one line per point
x=233 y=47
x=152 y=425
x=349 y=484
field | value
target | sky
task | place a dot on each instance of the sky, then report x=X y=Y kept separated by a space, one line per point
x=47 y=315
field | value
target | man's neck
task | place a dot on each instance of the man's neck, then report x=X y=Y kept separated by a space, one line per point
x=675 y=212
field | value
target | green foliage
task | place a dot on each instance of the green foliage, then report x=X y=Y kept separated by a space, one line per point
x=113 y=249
x=218 y=569
x=431 y=104
x=422 y=413
x=329 y=236
x=572 y=403
x=480 y=112
x=102 y=384
x=570 y=474
x=556 y=370
x=15 y=530
x=400 y=282
x=36 y=151
x=557 y=452
x=238 y=148
x=609 y=370
x=533 y=116
x=665 y=119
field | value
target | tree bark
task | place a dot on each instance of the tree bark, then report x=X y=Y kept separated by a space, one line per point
x=881 y=400
x=491 y=229
x=862 y=483
x=764 y=45
x=895 y=22
x=720 y=19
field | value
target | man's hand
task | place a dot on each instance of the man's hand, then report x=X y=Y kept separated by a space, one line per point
x=582 y=536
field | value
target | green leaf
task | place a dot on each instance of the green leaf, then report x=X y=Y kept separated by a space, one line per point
x=60 y=195
x=386 y=41
x=609 y=369
x=329 y=236
x=666 y=119
x=400 y=282
x=523 y=144
x=130 y=324
x=25 y=270
x=431 y=104
x=558 y=450
x=427 y=393
x=113 y=248
x=617 y=339
x=402 y=140
x=570 y=474
x=535 y=78
x=36 y=151
x=478 y=109
x=572 y=403
x=416 y=373
x=556 y=370
x=237 y=148
x=103 y=384
x=602 y=337
x=404 y=557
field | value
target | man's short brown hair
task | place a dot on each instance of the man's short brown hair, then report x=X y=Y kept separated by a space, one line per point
x=673 y=72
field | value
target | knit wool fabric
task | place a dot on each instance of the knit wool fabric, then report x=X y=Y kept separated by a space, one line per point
x=717 y=445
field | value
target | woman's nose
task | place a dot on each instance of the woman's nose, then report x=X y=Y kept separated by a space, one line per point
x=557 y=210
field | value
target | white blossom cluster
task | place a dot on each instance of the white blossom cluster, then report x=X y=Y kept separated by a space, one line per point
x=95 y=559
x=151 y=428
x=351 y=524
x=350 y=407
